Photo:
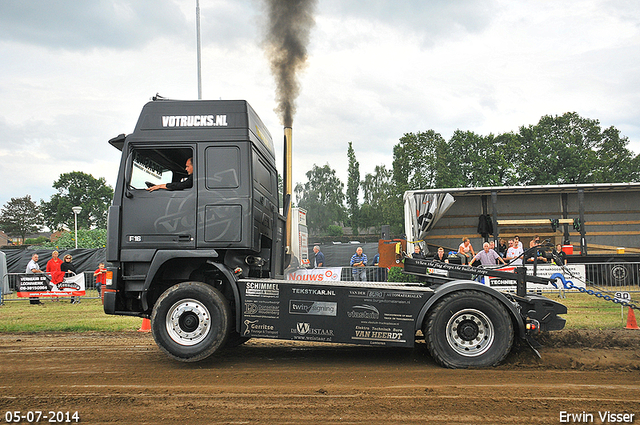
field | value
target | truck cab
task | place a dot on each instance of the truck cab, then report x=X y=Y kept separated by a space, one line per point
x=227 y=223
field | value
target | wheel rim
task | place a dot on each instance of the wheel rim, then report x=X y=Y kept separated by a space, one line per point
x=188 y=322
x=470 y=332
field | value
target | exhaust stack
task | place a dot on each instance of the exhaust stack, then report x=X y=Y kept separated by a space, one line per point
x=288 y=189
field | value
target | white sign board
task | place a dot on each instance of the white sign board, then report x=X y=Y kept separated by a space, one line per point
x=576 y=277
x=623 y=297
x=319 y=274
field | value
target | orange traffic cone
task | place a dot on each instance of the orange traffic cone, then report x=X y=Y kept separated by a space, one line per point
x=146 y=326
x=631 y=320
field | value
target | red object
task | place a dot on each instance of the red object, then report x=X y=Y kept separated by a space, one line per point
x=631 y=320
x=146 y=326
x=567 y=249
x=53 y=267
x=387 y=251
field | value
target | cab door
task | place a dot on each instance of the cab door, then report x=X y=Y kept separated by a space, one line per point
x=162 y=219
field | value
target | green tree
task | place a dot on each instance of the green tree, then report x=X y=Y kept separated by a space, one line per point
x=378 y=193
x=472 y=160
x=416 y=160
x=353 y=189
x=418 y=163
x=323 y=198
x=78 y=189
x=90 y=239
x=616 y=163
x=559 y=150
x=20 y=217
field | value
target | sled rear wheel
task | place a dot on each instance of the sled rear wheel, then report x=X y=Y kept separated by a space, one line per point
x=469 y=329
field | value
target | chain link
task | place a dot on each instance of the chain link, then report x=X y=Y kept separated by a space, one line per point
x=598 y=294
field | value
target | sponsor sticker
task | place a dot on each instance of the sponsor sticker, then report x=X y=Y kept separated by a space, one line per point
x=259 y=329
x=305 y=332
x=264 y=309
x=313 y=308
x=262 y=290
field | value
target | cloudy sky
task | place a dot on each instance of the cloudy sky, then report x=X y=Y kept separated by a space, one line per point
x=74 y=74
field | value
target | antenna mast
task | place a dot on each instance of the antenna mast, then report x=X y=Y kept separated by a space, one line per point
x=198 y=49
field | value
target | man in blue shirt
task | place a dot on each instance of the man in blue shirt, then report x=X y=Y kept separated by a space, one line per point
x=359 y=259
x=319 y=260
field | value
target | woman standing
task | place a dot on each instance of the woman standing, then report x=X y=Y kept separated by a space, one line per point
x=53 y=268
x=69 y=269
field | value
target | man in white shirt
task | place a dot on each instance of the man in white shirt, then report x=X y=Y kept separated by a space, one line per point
x=513 y=252
x=33 y=267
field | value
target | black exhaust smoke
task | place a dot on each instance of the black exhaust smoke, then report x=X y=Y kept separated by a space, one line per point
x=289 y=24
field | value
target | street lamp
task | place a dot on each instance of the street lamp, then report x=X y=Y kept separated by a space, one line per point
x=76 y=211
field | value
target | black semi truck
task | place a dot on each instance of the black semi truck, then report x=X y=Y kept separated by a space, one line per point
x=206 y=262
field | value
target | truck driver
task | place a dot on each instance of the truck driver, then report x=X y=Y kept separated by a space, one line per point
x=185 y=183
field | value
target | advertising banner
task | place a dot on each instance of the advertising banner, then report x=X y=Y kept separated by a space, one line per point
x=369 y=314
x=319 y=274
x=39 y=285
x=576 y=276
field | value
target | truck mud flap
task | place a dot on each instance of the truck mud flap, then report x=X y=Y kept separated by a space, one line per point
x=109 y=293
x=109 y=301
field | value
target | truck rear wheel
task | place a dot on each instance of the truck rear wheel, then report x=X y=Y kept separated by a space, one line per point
x=468 y=329
x=191 y=321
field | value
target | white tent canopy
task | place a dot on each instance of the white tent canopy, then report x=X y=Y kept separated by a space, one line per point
x=422 y=210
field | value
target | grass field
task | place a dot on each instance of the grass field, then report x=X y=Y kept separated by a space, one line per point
x=584 y=312
x=588 y=312
x=20 y=316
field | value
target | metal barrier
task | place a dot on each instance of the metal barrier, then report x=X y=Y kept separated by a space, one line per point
x=364 y=274
x=618 y=276
x=11 y=281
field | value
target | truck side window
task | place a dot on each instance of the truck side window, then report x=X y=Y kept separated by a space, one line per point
x=262 y=175
x=158 y=166
x=223 y=167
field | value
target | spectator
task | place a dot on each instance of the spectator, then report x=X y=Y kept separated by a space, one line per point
x=319 y=257
x=379 y=273
x=441 y=256
x=69 y=269
x=487 y=256
x=514 y=252
x=502 y=248
x=562 y=256
x=101 y=277
x=33 y=267
x=466 y=250
x=417 y=252
x=492 y=246
x=517 y=243
x=53 y=268
x=531 y=257
x=359 y=259
x=535 y=241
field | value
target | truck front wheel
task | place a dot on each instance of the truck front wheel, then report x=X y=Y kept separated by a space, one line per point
x=469 y=329
x=190 y=321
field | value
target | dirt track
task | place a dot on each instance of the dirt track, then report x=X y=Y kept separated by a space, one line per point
x=125 y=378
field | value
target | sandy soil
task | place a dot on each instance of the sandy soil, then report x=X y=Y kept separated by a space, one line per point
x=124 y=378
